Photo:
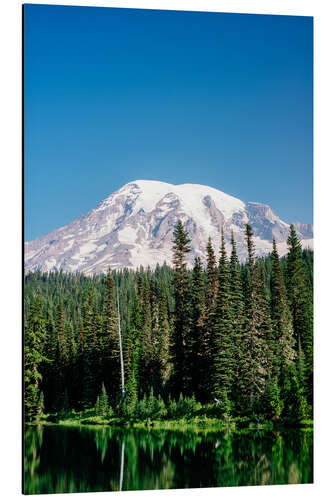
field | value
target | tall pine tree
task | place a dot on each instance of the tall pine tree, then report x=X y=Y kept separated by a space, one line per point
x=300 y=303
x=223 y=358
x=198 y=334
x=109 y=359
x=283 y=339
x=182 y=316
x=237 y=312
x=254 y=360
x=34 y=342
x=164 y=332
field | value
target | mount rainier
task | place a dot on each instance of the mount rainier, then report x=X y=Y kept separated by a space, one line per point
x=134 y=226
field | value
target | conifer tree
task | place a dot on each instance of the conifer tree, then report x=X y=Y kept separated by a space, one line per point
x=248 y=273
x=223 y=361
x=254 y=360
x=76 y=319
x=155 y=336
x=109 y=342
x=97 y=407
x=79 y=366
x=283 y=339
x=272 y=403
x=61 y=338
x=264 y=316
x=41 y=406
x=34 y=341
x=103 y=402
x=236 y=292
x=212 y=281
x=133 y=340
x=226 y=405
x=47 y=368
x=300 y=366
x=300 y=303
x=182 y=310
x=140 y=282
x=71 y=345
x=90 y=356
x=198 y=335
x=154 y=291
x=295 y=403
x=146 y=358
x=237 y=312
x=60 y=360
x=65 y=406
x=164 y=331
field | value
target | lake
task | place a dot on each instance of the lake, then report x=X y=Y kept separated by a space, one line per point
x=61 y=459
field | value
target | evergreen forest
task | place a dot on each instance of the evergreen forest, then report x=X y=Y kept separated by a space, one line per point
x=219 y=338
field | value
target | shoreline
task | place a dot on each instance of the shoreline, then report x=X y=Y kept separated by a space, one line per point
x=195 y=425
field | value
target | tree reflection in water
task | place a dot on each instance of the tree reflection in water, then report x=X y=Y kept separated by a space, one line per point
x=81 y=459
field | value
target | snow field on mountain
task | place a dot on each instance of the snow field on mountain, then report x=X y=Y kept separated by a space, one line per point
x=133 y=227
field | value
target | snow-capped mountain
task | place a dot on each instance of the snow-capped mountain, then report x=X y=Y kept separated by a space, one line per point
x=134 y=226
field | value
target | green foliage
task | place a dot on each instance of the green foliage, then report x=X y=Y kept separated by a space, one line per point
x=198 y=348
x=97 y=406
x=272 y=403
x=223 y=365
x=66 y=408
x=163 y=341
x=225 y=404
x=299 y=289
x=185 y=407
x=182 y=313
x=102 y=407
x=150 y=407
x=34 y=343
x=172 y=408
x=255 y=356
x=94 y=420
x=239 y=332
x=238 y=323
x=283 y=340
x=211 y=288
x=41 y=406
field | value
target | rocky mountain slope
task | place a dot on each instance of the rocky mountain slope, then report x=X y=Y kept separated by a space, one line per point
x=134 y=226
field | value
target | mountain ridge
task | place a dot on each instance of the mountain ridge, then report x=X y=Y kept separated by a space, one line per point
x=133 y=226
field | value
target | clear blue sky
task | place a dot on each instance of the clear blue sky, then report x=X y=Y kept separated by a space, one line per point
x=114 y=95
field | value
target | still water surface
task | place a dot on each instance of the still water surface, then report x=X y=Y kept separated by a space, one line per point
x=80 y=459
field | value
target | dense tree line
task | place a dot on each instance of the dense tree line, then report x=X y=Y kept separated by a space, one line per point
x=239 y=334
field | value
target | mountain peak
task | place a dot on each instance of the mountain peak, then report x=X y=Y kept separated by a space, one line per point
x=134 y=226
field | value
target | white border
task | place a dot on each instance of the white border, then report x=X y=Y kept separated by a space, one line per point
x=10 y=231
